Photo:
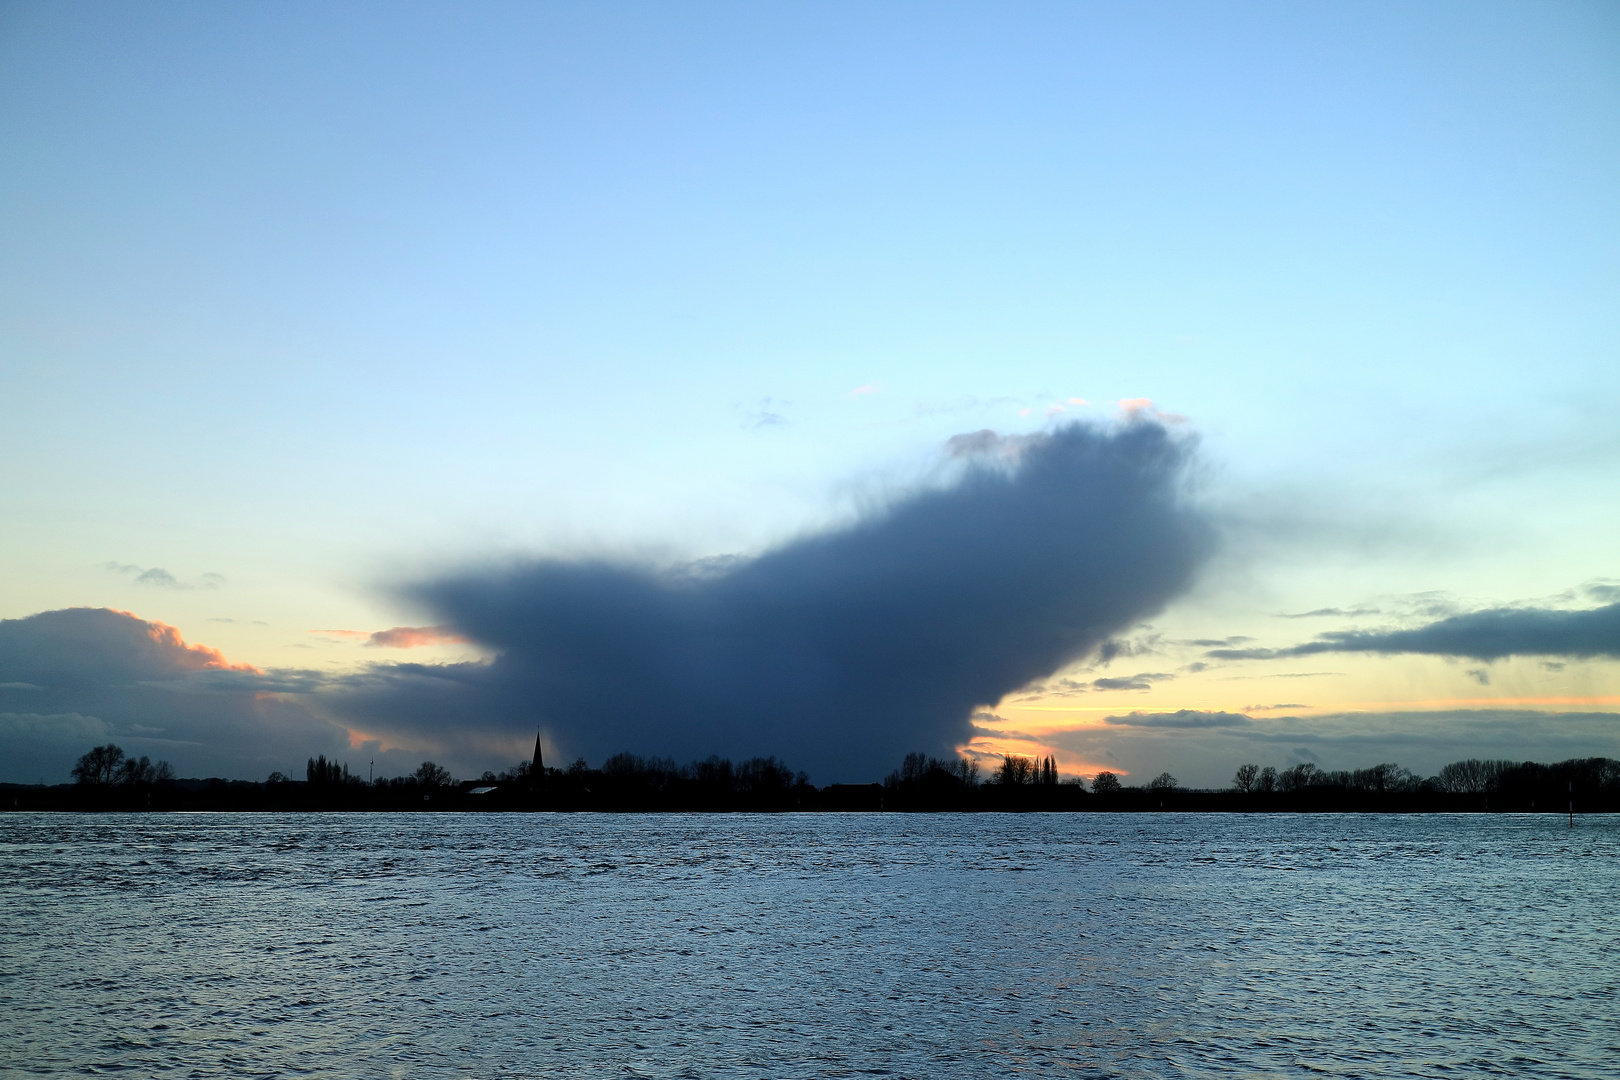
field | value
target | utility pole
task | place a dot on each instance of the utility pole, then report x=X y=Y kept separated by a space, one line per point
x=371 y=767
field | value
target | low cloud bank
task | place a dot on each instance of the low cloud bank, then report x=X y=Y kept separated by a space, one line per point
x=1494 y=634
x=839 y=652
x=74 y=678
x=1181 y=718
x=1203 y=748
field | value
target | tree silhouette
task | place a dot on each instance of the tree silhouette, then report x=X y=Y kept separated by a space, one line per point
x=1105 y=783
x=766 y=775
x=104 y=766
x=142 y=771
x=1384 y=779
x=1246 y=778
x=1472 y=777
x=99 y=766
x=1017 y=771
x=1049 y=773
x=918 y=767
x=1298 y=777
x=431 y=775
x=1163 y=782
x=320 y=772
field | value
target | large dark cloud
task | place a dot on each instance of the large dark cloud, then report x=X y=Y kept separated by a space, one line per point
x=79 y=677
x=839 y=651
x=1480 y=635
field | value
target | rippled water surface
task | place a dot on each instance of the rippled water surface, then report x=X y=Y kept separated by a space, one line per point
x=808 y=945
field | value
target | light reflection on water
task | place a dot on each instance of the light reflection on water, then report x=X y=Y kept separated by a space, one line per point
x=808 y=945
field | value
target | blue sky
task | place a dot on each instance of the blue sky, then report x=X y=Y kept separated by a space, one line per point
x=320 y=300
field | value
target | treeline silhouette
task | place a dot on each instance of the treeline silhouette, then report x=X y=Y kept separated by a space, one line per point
x=106 y=779
x=1590 y=784
x=106 y=766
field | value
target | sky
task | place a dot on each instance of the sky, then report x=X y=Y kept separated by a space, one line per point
x=395 y=381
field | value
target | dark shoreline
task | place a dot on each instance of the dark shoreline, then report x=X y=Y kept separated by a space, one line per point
x=294 y=797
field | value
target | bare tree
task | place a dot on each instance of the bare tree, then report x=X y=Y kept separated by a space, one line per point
x=764 y=775
x=1384 y=779
x=1016 y=771
x=106 y=765
x=431 y=775
x=1472 y=777
x=1268 y=780
x=713 y=771
x=1246 y=778
x=99 y=766
x=914 y=767
x=1105 y=783
x=1298 y=777
x=138 y=771
x=1163 y=782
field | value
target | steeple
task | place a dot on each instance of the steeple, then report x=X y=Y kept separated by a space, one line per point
x=537 y=771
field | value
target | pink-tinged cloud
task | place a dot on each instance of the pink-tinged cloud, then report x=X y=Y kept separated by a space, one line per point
x=1078 y=401
x=183 y=656
x=343 y=633
x=409 y=637
x=863 y=390
x=358 y=740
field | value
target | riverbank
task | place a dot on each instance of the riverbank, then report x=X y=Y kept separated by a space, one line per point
x=214 y=794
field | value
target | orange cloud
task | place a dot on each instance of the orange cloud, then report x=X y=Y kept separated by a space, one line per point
x=1141 y=406
x=190 y=657
x=358 y=739
x=342 y=633
x=409 y=637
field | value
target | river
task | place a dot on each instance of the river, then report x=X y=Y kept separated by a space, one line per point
x=821 y=945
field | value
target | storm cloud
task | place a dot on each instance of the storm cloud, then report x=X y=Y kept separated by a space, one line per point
x=839 y=651
x=1493 y=634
